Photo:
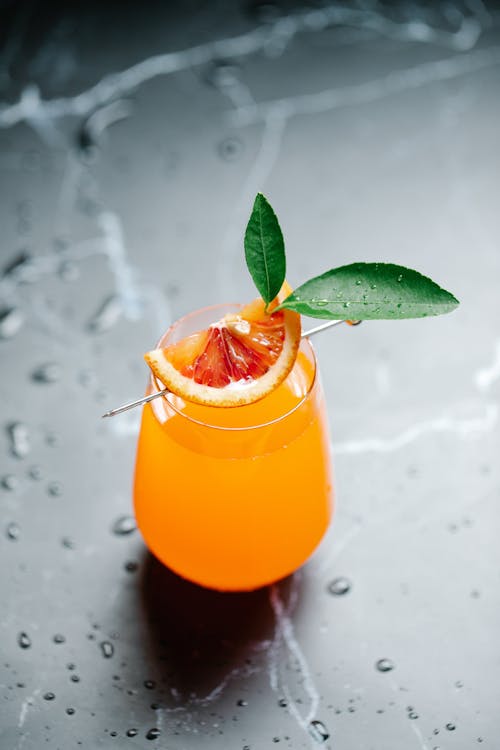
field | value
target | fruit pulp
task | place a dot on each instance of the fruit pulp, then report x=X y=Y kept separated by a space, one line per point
x=248 y=346
x=234 y=499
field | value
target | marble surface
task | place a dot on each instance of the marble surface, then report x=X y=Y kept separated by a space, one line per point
x=131 y=146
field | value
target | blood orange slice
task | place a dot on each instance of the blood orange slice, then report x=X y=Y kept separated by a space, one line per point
x=235 y=361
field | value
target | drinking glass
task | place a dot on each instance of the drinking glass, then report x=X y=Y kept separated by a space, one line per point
x=235 y=498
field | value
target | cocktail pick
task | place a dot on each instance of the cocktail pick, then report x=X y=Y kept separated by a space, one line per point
x=146 y=399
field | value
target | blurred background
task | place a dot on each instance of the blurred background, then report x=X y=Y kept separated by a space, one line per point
x=133 y=139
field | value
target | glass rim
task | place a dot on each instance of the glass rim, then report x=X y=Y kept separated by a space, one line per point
x=164 y=398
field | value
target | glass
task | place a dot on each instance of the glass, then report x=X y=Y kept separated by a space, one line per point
x=235 y=498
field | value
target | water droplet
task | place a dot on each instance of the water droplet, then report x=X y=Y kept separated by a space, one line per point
x=131 y=566
x=230 y=149
x=435 y=731
x=74 y=678
x=459 y=684
x=87 y=378
x=385 y=665
x=242 y=703
x=19 y=439
x=49 y=697
x=124 y=525
x=283 y=703
x=50 y=372
x=107 y=649
x=358 y=282
x=347 y=304
x=373 y=286
x=321 y=302
x=113 y=734
x=412 y=715
x=35 y=472
x=318 y=731
x=475 y=594
x=149 y=684
x=16 y=264
x=106 y=316
x=23 y=640
x=153 y=734
x=68 y=271
x=480 y=739
x=339 y=586
x=400 y=277
x=59 y=638
x=11 y=321
x=54 y=489
x=12 y=531
x=71 y=666
x=450 y=727
x=67 y=542
x=70 y=711
x=351 y=709
x=10 y=482
x=276 y=739
x=52 y=439
x=86 y=141
x=131 y=732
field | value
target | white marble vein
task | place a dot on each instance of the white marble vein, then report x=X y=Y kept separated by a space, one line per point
x=264 y=162
x=324 y=564
x=25 y=706
x=274 y=37
x=123 y=273
x=420 y=737
x=102 y=118
x=411 y=722
x=396 y=82
x=486 y=376
x=131 y=295
x=467 y=427
x=285 y=635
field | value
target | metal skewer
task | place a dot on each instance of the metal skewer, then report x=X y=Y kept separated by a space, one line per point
x=146 y=399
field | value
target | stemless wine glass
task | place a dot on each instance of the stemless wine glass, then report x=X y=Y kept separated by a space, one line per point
x=235 y=498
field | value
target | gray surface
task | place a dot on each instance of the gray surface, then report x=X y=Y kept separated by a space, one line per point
x=397 y=161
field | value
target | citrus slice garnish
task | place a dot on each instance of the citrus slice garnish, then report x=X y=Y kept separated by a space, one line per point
x=235 y=361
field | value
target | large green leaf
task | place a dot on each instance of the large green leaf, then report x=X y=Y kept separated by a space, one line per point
x=265 y=249
x=370 y=291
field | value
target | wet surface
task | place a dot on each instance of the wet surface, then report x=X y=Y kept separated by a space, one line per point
x=129 y=163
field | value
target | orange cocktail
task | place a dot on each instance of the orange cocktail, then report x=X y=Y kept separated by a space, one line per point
x=235 y=498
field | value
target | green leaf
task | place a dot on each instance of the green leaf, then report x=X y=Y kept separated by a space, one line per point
x=265 y=249
x=370 y=291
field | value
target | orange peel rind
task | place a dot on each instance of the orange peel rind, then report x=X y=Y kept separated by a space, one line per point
x=236 y=361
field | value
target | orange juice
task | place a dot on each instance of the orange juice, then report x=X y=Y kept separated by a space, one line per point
x=236 y=498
